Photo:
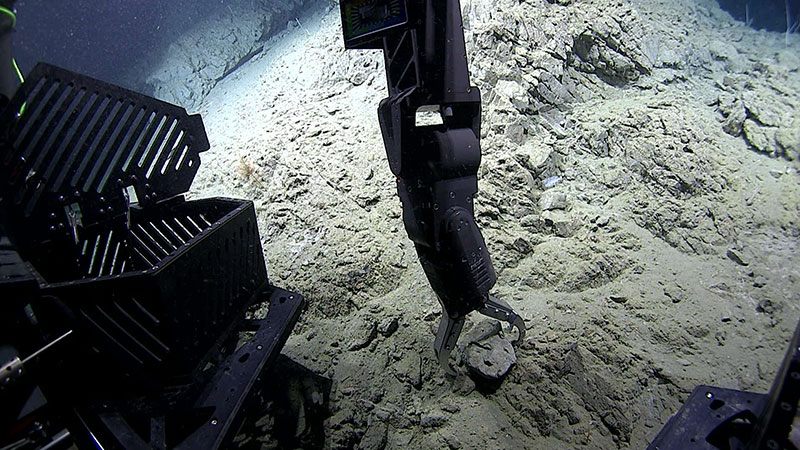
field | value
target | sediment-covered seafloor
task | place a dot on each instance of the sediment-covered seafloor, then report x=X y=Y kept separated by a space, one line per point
x=639 y=194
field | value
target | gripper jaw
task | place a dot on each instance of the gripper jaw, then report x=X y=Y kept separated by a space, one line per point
x=500 y=310
x=445 y=342
x=450 y=329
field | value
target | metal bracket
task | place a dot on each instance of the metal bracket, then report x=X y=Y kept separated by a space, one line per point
x=711 y=414
x=717 y=418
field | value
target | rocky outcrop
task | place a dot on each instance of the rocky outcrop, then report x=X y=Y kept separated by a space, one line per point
x=193 y=64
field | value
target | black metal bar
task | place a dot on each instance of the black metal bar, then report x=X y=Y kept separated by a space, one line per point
x=727 y=419
x=233 y=382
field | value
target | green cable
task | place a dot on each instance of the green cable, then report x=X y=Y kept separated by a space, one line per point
x=13 y=16
x=11 y=13
x=19 y=72
x=3 y=9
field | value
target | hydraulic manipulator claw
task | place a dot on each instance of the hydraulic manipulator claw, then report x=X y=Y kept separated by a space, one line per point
x=436 y=165
x=450 y=329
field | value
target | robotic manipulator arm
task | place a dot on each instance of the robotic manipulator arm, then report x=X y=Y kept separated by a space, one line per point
x=436 y=165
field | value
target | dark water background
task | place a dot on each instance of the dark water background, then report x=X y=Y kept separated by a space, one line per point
x=764 y=14
x=113 y=40
x=106 y=39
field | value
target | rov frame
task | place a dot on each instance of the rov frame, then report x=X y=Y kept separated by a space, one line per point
x=150 y=291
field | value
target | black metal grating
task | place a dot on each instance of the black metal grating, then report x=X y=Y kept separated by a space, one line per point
x=153 y=286
x=82 y=144
x=160 y=296
x=155 y=240
x=401 y=61
x=128 y=327
x=104 y=253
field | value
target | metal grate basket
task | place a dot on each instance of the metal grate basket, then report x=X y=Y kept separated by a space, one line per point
x=78 y=153
x=92 y=177
x=193 y=269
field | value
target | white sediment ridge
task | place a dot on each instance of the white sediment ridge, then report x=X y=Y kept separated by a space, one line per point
x=639 y=194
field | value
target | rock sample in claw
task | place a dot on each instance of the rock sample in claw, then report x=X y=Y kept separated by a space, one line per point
x=488 y=354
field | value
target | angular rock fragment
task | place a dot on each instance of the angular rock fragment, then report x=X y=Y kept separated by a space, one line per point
x=388 y=326
x=489 y=355
x=433 y=420
x=361 y=332
x=737 y=257
x=553 y=200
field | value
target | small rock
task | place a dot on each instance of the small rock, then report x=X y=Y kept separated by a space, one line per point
x=383 y=414
x=767 y=306
x=361 y=331
x=760 y=137
x=340 y=418
x=722 y=50
x=618 y=298
x=760 y=282
x=489 y=355
x=433 y=420
x=429 y=316
x=409 y=370
x=698 y=331
x=452 y=442
x=375 y=396
x=388 y=326
x=565 y=228
x=736 y=256
x=776 y=173
x=522 y=245
x=375 y=437
x=733 y=125
x=401 y=421
x=788 y=139
x=463 y=385
x=553 y=200
x=451 y=408
x=675 y=292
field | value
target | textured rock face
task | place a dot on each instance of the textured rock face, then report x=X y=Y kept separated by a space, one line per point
x=194 y=64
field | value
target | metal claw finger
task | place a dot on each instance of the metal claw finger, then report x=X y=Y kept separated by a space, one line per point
x=446 y=338
x=500 y=310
